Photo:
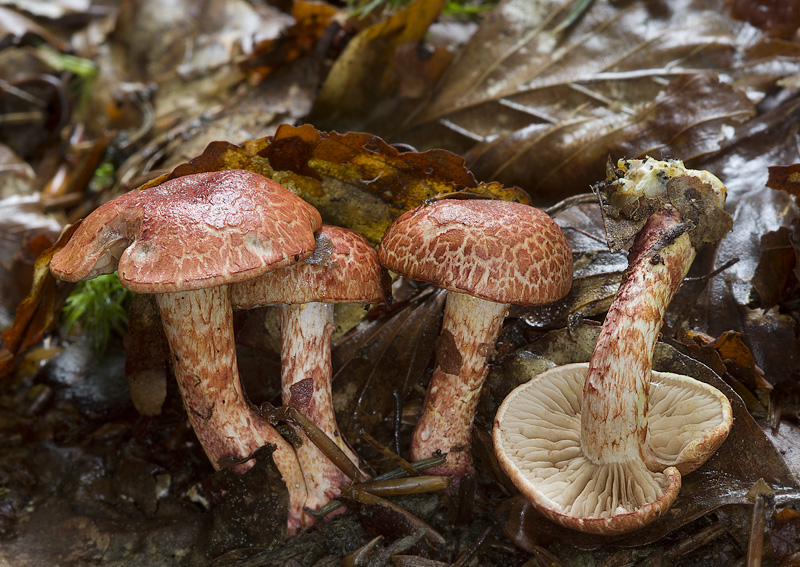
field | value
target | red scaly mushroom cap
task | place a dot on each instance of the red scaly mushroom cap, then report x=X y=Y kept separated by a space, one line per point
x=343 y=269
x=496 y=250
x=192 y=232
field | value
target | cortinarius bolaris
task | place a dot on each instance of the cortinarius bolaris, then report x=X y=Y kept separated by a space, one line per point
x=343 y=269
x=185 y=241
x=600 y=447
x=487 y=254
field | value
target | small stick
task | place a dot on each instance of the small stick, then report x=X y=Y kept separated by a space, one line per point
x=755 y=547
x=395 y=458
x=474 y=548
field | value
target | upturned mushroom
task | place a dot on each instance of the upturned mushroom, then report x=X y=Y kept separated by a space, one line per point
x=487 y=255
x=186 y=241
x=343 y=269
x=600 y=447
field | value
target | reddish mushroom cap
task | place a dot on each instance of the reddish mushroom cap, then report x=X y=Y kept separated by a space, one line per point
x=192 y=232
x=344 y=268
x=496 y=250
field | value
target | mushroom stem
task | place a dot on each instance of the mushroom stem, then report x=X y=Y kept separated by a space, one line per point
x=199 y=329
x=306 y=373
x=614 y=415
x=470 y=329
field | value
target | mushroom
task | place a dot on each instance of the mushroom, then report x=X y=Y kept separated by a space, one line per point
x=600 y=447
x=343 y=269
x=186 y=241
x=487 y=255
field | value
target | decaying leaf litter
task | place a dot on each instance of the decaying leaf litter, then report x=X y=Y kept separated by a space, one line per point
x=538 y=98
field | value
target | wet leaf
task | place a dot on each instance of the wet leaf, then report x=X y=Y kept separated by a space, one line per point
x=785 y=178
x=539 y=106
x=311 y=22
x=775 y=17
x=388 y=354
x=356 y=180
x=380 y=61
x=26 y=232
x=730 y=358
x=726 y=477
x=774 y=278
x=37 y=312
x=726 y=303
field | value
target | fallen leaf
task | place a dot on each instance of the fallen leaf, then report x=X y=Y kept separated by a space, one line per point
x=311 y=20
x=774 y=278
x=356 y=180
x=776 y=17
x=386 y=355
x=727 y=301
x=785 y=178
x=38 y=311
x=376 y=64
x=533 y=104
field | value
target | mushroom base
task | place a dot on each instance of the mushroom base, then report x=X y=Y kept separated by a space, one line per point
x=199 y=329
x=469 y=330
x=306 y=373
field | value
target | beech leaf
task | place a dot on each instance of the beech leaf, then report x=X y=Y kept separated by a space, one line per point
x=529 y=102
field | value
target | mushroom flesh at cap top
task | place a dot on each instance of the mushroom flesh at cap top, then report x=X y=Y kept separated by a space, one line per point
x=343 y=269
x=184 y=241
x=487 y=254
x=598 y=447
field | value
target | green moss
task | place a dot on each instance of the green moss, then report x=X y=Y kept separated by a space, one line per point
x=97 y=308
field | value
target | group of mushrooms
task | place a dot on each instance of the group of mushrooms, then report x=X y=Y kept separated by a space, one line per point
x=598 y=447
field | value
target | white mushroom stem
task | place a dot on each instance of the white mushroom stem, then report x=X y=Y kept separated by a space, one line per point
x=469 y=331
x=199 y=328
x=616 y=391
x=306 y=373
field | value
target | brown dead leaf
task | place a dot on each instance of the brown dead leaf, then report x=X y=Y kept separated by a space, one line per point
x=37 y=312
x=730 y=358
x=779 y=18
x=739 y=361
x=376 y=64
x=541 y=107
x=774 y=279
x=387 y=355
x=727 y=302
x=312 y=19
x=356 y=179
x=785 y=178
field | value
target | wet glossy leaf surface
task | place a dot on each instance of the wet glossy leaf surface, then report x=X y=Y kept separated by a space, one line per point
x=533 y=107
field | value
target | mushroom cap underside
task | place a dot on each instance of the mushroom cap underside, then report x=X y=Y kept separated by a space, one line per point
x=343 y=268
x=496 y=250
x=537 y=440
x=192 y=232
